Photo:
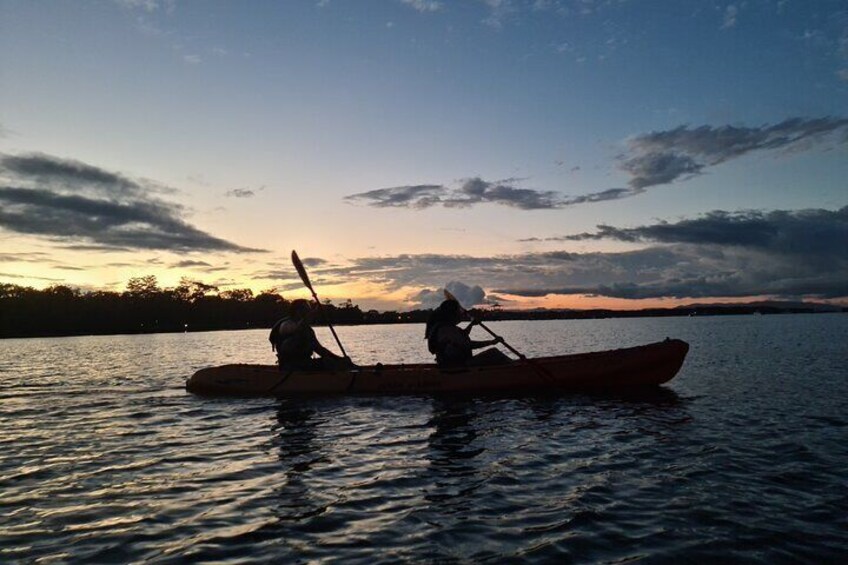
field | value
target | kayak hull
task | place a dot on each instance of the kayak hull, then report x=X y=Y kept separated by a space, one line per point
x=604 y=371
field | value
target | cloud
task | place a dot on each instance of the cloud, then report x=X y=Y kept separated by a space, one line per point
x=499 y=10
x=471 y=191
x=81 y=204
x=423 y=6
x=192 y=59
x=19 y=276
x=149 y=6
x=243 y=192
x=653 y=168
x=145 y=5
x=814 y=232
x=411 y=196
x=67 y=174
x=784 y=253
x=313 y=261
x=468 y=296
x=98 y=248
x=664 y=156
x=731 y=12
x=285 y=278
x=652 y=159
x=31 y=257
x=189 y=263
x=240 y=193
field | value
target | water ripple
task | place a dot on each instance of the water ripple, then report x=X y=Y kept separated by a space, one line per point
x=740 y=459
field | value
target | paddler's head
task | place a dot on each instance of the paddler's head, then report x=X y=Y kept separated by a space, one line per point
x=300 y=309
x=451 y=311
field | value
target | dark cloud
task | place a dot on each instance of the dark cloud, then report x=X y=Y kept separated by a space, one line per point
x=415 y=196
x=722 y=285
x=68 y=174
x=68 y=200
x=470 y=192
x=813 y=232
x=19 y=276
x=240 y=193
x=99 y=248
x=652 y=159
x=243 y=192
x=602 y=196
x=656 y=168
x=321 y=272
x=476 y=190
x=189 y=263
x=31 y=257
x=786 y=254
x=201 y=266
x=783 y=253
x=662 y=157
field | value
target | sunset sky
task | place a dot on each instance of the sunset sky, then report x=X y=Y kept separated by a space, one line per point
x=571 y=153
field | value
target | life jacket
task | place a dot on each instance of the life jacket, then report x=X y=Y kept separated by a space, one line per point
x=451 y=352
x=291 y=340
x=432 y=333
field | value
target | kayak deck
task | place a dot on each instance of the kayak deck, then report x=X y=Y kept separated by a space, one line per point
x=634 y=367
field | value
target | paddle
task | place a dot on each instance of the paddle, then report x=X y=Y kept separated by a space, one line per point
x=544 y=373
x=301 y=270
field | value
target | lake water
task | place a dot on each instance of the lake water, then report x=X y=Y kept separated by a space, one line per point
x=743 y=456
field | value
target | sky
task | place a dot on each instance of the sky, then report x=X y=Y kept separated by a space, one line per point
x=530 y=153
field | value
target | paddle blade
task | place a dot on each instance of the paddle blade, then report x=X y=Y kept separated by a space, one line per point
x=301 y=270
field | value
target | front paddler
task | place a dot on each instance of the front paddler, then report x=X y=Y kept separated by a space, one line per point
x=294 y=341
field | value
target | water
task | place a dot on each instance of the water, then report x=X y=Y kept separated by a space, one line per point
x=105 y=458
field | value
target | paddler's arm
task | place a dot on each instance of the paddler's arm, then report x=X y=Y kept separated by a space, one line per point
x=272 y=337
x=320 y=349
x=487 y=343
x=474 y=322
x=323 y=351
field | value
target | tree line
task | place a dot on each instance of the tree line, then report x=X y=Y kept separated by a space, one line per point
x=145 y=307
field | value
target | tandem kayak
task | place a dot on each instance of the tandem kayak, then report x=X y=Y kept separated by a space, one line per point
x=602 y=371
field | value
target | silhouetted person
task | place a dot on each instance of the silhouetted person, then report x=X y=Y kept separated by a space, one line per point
x=294 y=341
x=452 y=345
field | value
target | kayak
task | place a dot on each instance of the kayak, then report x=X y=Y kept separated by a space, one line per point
x=603 y=371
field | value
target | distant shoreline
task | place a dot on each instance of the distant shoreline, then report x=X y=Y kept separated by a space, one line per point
x=415 y=317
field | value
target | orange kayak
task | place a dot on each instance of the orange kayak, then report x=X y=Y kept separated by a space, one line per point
x=604 y=371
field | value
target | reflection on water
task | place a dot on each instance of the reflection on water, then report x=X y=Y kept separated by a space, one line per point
x=298 y=452
x=454 y=474
x=103 y=457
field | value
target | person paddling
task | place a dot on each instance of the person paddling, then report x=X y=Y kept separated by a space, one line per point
x=294 y=341
x=453 y=345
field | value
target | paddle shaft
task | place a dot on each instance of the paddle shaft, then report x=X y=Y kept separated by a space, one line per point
x=538 y=368
x=329 y=325
x=505 y=344
x=304 y=276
